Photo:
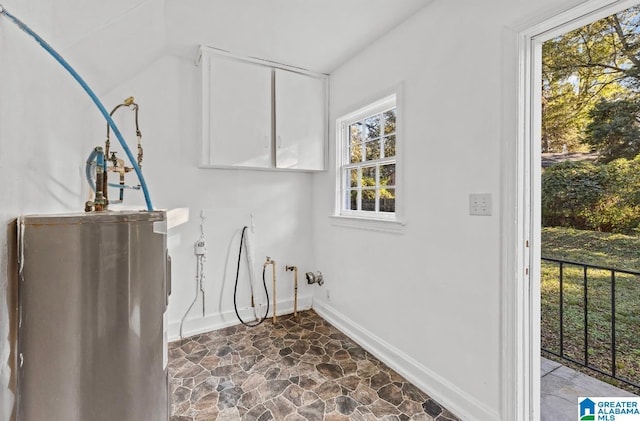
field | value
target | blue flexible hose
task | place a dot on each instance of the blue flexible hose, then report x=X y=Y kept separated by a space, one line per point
x=91 y=94
x=88 y=168
x=100 y=158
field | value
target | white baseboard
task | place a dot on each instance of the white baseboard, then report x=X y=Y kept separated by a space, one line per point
x=211 y=322
x=443 y=391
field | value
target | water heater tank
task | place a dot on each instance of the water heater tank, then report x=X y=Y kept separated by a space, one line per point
x=91 y=340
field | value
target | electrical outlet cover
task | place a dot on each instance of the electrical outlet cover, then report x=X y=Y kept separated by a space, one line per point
x=480 y=204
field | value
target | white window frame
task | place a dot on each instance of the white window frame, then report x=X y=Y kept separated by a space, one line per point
x=375 y=220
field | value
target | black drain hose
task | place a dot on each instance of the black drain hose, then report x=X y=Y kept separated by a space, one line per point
x=235 y=288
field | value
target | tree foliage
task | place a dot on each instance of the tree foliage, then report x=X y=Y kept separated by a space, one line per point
x=599 y=197
x=590 y=65
x=614 y=130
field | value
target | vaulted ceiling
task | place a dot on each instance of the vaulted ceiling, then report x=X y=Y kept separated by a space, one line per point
x=318 y=35
x=110 y=41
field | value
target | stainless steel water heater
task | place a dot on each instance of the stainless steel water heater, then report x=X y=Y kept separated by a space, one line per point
x=93 y=291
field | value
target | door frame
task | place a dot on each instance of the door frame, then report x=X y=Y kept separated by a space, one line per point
x=521 y=200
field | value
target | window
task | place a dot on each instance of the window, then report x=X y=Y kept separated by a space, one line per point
x=367 y=162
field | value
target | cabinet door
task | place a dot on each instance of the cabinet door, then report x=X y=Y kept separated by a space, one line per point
x=239 y=114
x=300 y=121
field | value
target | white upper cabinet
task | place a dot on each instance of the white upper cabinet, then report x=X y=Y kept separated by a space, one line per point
x=239 y=116
x=260 y=115
x=300 y=121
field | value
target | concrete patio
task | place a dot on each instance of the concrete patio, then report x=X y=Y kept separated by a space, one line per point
x=560 y=388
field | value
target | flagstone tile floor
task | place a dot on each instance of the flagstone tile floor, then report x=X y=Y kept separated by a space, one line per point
x=295 y=370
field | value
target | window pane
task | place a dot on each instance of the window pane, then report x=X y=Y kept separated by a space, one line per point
x=355 y=153
x=369 y=200
x=389 y=121
x=367 y=148
x=353 y=178
x=387 y=200
x=388 y=175
x=355 y=133
x=390 y=146
x=368 y=176
x=373 y=150
x=351 y=200
x=373 y=127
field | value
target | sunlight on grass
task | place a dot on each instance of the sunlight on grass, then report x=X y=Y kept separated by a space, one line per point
x=596 y=248
x=601 y=249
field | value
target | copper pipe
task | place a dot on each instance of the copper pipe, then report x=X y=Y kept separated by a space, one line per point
x=295 y=289
x=273 y=266
x=129 y=102
x=116 y=167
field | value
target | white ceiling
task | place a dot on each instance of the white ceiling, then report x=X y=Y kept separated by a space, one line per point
x=318 y=35
x=112 y=40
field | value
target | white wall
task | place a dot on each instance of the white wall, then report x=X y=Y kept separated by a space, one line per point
x=428 y=300
x=48 y=126
x=169 y=98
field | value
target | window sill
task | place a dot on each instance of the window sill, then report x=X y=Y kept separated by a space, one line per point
x=369 y=224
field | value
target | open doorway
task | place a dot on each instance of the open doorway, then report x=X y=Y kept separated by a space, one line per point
x=590 y=213
x=529 y=199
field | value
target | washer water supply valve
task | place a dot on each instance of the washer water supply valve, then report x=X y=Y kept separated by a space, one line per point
x=295 y=288
x=270 y=261
x=314 y=278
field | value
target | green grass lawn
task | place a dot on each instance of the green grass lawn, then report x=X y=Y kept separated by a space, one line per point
x=601 y=249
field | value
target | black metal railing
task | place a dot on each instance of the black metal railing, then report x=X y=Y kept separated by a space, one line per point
x=562 y=266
